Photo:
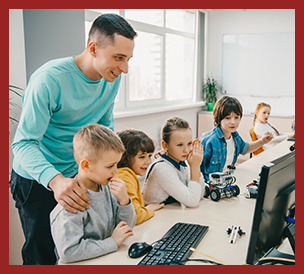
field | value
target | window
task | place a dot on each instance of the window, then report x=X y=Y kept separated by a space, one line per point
x=179 y=67
x=145 y=68
x=149 y=16
x=167 y=58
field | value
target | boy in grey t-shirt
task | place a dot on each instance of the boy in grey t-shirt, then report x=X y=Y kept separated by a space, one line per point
x=103 y=227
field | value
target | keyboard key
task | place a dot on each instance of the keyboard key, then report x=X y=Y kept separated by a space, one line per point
x=174 y=247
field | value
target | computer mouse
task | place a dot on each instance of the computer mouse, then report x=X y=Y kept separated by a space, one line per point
x=137 y=250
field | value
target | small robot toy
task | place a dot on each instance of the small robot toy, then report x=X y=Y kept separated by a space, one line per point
x=253 y=189
x=222 y=184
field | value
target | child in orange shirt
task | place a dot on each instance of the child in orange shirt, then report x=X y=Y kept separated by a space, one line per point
x=135 y=161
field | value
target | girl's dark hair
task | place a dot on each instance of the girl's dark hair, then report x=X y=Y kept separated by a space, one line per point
x=224 y=106
x=105 y=25
x=134 y=141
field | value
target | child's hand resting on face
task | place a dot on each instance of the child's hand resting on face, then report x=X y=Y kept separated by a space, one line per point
x=118 y=189
x=195 y=157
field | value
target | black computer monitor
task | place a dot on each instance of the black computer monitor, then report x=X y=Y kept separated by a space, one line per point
x=275 y=201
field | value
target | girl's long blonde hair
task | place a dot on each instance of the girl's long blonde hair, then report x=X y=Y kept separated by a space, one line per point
x=259 y=106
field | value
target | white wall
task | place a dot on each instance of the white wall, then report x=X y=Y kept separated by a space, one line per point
x=242 y=21
x=248 y=21
x=16 y=77
x=51 y=34
x=237 y=21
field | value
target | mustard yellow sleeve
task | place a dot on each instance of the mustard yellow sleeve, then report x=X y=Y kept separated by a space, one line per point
x=133 y=188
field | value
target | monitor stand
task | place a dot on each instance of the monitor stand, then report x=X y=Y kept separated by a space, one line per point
x=273 y=256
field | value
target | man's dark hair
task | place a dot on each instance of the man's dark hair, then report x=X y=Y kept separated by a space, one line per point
x=106 y=25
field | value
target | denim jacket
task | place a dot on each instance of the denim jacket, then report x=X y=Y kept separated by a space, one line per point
x=215 y=151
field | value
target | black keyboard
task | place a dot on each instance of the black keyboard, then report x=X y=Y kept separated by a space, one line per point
x=174 y=247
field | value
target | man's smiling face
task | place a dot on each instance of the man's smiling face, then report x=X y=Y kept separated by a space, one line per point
x=112 y=60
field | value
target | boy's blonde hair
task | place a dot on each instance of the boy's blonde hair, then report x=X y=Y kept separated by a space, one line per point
x=93 y=139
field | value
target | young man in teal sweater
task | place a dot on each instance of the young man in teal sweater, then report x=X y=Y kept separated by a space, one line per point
x=63 y=96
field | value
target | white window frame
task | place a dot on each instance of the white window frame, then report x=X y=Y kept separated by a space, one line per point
x=124 y=105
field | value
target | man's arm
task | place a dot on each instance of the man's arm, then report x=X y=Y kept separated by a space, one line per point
x=37 y=108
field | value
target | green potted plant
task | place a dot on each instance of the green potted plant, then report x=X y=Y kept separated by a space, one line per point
x=209 y=89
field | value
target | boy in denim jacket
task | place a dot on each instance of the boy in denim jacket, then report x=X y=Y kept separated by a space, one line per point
x=222 y=145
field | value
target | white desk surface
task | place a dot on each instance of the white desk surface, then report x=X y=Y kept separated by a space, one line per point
x=219 y=216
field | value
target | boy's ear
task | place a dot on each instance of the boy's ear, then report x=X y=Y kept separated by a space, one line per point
x=85 y=164
x=164 y=145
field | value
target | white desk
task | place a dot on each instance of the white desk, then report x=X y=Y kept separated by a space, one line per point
x=219 y=216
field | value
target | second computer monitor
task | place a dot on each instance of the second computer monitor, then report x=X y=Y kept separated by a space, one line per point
x=276 y=198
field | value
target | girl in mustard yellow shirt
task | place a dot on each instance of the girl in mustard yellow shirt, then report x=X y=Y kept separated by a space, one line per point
x=135 y=161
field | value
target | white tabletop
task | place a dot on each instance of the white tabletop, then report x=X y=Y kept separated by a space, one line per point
x=219 y=216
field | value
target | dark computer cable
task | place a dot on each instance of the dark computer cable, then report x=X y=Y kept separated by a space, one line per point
x=197 y=260
x=293 y=127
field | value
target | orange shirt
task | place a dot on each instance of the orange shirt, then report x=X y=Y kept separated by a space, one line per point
x=133 y=188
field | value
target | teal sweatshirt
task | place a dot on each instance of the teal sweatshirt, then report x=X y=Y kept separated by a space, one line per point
x=58 y=101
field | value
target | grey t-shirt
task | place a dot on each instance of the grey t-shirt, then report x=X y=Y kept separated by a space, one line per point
x=85 y=235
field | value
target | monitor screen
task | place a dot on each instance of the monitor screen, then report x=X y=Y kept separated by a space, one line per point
x=276 y=196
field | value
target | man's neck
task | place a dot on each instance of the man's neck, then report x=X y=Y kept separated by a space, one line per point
x=84 y=62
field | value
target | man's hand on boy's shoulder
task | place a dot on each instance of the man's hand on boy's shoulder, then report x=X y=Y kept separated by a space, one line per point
x=118 y=189
x=70 y=193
